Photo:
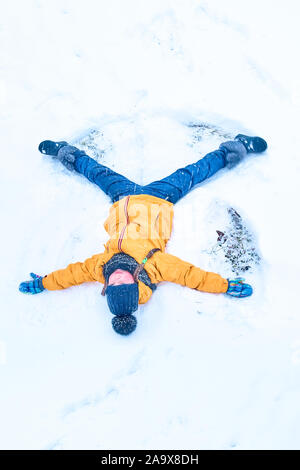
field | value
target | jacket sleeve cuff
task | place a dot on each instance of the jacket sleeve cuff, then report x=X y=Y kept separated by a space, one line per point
x=226 y=285
x=43 y=282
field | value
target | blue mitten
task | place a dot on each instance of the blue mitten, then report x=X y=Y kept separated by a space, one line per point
x=237 y=288
x=32 y=287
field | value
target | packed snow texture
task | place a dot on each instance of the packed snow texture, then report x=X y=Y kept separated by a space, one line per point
x=126 y=81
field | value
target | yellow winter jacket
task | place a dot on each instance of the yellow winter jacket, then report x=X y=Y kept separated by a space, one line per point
x=136 y=224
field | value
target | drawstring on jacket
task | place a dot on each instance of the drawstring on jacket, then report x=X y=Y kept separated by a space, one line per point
x=138 y=269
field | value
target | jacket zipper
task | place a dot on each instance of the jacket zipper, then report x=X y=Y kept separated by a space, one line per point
x=127 y=222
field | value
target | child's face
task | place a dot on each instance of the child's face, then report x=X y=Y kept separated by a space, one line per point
x=119 y=276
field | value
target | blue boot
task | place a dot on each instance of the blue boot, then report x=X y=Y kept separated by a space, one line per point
x=252 y=144
x=48 y=147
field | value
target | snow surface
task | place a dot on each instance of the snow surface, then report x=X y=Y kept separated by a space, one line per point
x=202 y=371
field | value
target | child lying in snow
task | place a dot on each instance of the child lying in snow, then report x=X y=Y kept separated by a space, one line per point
x=139 y=226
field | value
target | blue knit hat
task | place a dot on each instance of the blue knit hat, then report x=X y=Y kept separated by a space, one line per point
x=123 y=299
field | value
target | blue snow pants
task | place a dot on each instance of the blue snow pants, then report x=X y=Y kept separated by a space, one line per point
x=172 y=188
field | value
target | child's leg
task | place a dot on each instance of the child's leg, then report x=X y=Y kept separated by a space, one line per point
x=113 y=184
x=179 y=183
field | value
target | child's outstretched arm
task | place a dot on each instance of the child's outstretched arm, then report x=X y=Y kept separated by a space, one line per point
x=74 y=274
x=173 y=269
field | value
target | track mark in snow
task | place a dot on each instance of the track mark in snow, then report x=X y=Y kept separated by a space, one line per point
x=221 y=19
x=55 y=445
x=87 y=402
x=94 y=143
x=204 y=130
x=266 y=78
x=137 y=362
x=112 y=391
x=165 y=33
x=295 y=355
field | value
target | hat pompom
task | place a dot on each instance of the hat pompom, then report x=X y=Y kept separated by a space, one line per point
x=124 y=324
